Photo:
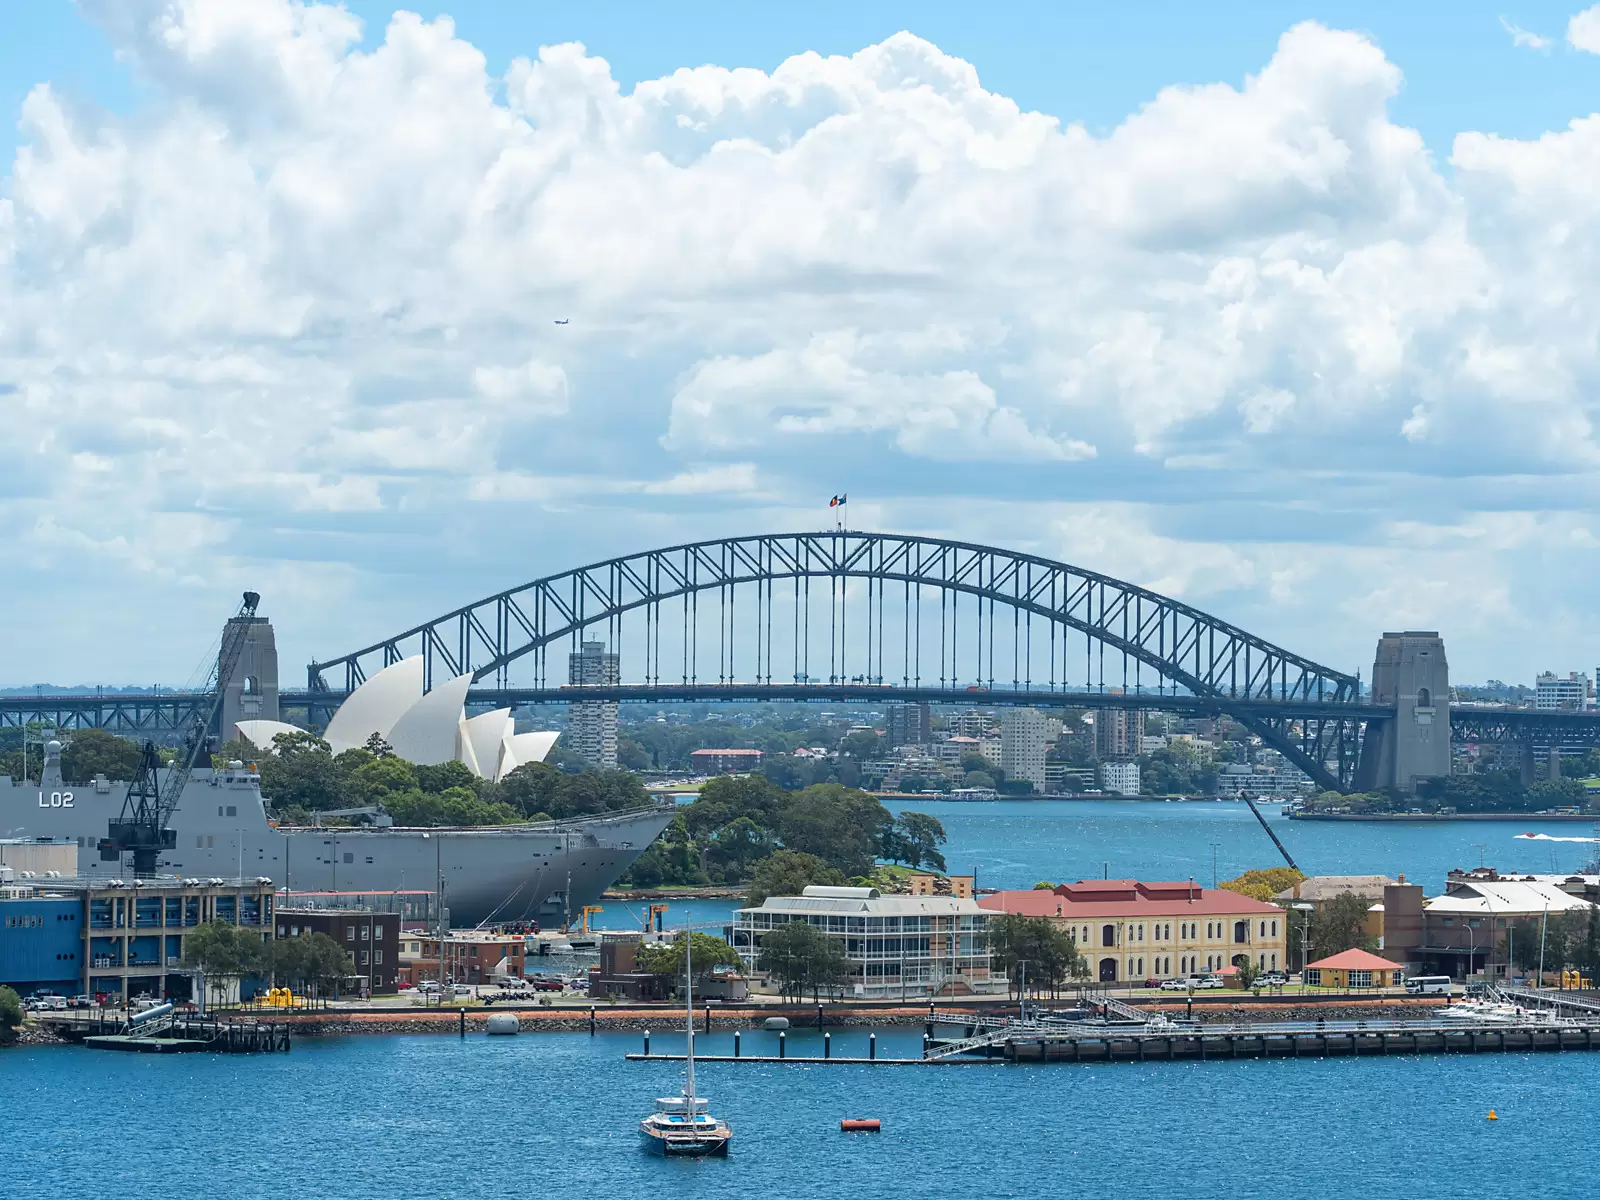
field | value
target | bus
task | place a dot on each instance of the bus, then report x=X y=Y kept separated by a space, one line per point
x=1419 y=985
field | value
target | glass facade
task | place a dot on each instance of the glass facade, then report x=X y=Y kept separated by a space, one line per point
x=890 y=954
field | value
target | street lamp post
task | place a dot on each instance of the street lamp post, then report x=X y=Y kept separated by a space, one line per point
x=1305 y=939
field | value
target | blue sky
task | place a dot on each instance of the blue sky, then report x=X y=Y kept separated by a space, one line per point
x=280 y=297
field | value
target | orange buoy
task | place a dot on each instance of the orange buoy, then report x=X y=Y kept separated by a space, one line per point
x=860 y=1125
x=1493 y=1116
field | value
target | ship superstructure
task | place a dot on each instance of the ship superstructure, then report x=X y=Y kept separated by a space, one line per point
x=545 y=871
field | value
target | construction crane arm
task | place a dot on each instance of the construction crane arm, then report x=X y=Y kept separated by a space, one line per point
x=148 y=806
x=1270 y=834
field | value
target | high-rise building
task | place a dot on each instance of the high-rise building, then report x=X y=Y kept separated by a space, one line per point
x=1022 y=745
x=1552 y=693
x=973 y=723
x=592 y=733
x=1119 y=732
x=909 y=725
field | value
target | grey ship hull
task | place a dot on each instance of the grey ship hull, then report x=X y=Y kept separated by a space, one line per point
x=526 y=872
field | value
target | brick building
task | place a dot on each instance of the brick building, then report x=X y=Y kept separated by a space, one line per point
x=371 y=939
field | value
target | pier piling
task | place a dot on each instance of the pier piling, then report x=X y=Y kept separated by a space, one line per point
x=591 y=1020
x=827 y=1045
x=736 y=1043
x=783 y=1039
x=872 y=1046
x=647 y=1041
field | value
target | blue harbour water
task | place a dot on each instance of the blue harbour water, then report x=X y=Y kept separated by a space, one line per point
x=557 y=1114
x=1017 y=843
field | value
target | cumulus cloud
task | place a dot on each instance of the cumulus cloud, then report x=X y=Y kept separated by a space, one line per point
x=293 y=319
x=1583 y=30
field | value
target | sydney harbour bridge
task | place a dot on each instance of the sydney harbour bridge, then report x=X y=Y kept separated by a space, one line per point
x=881 y=618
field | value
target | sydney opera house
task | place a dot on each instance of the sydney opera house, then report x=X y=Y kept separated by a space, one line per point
x=424 y=728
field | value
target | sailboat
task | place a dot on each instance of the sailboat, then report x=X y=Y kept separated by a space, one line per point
x=683 y=1125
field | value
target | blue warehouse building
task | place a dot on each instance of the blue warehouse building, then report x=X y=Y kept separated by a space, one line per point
x=41 y=943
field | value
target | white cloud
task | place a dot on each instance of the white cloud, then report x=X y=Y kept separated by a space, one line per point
x=532 y=389
x=1583 y=30
x=293 y=318
x=1525 y=38
x=723 y=479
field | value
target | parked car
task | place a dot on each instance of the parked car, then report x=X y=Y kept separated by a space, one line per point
x=1152 y=982
x=546 y=983
x=1206 y=983
x=80 y=1002
x=460 y=989
x=1174 y=985
x=54 y=1003
x=1273 y=979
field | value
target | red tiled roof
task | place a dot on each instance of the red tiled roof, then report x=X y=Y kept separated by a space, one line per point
x=1092 y=899
x=1354 y=960
x=692 y=753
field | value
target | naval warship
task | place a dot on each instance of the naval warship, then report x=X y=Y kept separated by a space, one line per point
x=543 y=871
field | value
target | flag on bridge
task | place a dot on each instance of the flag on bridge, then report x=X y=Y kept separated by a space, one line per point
x=837 y=501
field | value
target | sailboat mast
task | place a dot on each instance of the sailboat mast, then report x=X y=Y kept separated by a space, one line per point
x=688 y=992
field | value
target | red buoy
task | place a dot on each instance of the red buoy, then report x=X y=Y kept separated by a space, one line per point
x=860 y=1125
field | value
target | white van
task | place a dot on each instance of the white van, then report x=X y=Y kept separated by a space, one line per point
x=1419 y=985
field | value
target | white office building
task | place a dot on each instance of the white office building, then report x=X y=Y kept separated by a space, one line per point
x=1120 y=778
x=896 y=945
x=593 y=730
x=1024 y=738
x=1554 y=694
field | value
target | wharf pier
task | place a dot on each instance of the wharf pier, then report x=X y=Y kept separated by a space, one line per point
x=185 y=1033
x=1333 y=1039
x=1168 y=1041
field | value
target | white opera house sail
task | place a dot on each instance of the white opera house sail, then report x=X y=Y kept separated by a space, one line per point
x=426 y=728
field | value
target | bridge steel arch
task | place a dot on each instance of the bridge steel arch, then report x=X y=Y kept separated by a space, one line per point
x=1190 y=651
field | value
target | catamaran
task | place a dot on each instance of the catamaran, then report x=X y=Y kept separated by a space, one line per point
x=683 y=1125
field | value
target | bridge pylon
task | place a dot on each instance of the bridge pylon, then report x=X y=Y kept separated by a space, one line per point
x=1409 y=672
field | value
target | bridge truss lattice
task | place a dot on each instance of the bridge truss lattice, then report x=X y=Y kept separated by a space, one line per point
x=839 y=608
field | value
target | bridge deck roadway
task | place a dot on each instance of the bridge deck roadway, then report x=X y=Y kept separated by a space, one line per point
x=157 y=712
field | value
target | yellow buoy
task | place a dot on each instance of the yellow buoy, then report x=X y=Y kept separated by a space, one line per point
x=1493 y=1116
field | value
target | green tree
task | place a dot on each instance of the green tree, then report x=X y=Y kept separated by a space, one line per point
x=666 y=958
x=312 y=964
x=842 y=826
x=728 y=798
x=1049 y=951
x=861 y=744
x=301 y=773
x=800 y=956
x=733 y=850
x=375 y=781
x=1263 y=884
x=94 y=752
x=789 y=873
x=1339 y=925
x=225 y=953
x=11 y=1014
x=446 y=775
x=915 y=839
x=457 y=806
x=1248 y=971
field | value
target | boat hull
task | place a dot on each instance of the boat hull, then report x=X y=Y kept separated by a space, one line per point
x=528 y=872
x=686 y=1146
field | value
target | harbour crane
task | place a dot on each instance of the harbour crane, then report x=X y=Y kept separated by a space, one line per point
x=141 y=830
